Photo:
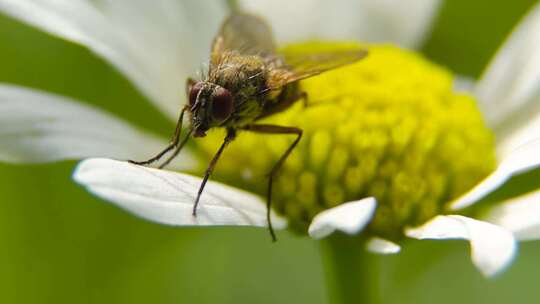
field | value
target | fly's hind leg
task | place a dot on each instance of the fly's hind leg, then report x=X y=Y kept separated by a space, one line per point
x=273 y=129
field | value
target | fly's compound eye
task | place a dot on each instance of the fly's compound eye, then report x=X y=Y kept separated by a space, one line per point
x=194 y=91
x=222 y=104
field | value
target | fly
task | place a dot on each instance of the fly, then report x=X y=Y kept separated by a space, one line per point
x=248 y=79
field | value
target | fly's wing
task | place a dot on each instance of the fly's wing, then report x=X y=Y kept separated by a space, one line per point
x=296 y=66
x=245 y=34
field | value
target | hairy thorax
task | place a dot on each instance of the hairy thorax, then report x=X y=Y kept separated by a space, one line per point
x=246 y=78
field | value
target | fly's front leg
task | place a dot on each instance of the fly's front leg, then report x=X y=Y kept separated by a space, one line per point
x=173 y=143
x=189 y=84
x=177 y=150
x=273 y=129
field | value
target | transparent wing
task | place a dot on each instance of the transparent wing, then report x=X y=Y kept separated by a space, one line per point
x=295 y=66
x=244 y=33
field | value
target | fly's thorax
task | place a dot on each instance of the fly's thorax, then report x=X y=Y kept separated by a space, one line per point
x=390 y=127
x=245 y=76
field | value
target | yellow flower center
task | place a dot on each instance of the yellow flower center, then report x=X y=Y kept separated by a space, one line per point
x=390 y=126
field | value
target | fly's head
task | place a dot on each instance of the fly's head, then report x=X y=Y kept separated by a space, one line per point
x=210 y=106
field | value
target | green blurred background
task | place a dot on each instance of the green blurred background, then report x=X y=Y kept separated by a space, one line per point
x=60 y=245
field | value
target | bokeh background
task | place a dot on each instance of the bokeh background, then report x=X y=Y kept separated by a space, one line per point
x=60 y=245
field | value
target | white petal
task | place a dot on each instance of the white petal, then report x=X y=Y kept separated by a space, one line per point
x=156 y=44
x=528 y=130
x=167 y=197
x=402 y=22
x=522 y=159
x=41 y=127
x=520 y=215
x=349 y=217
x=509 y=91
x=492 y=247
x=382 y=246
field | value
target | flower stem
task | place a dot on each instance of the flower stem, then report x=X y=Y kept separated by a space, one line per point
x=350 y=272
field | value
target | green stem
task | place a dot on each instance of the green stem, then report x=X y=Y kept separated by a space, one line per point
x=350 y=272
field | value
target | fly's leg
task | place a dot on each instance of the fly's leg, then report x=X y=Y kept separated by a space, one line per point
x=273 y=129
x=231 y=134
x=304 y=97
x=176 y=151
x=189 y=84
x=173 y=143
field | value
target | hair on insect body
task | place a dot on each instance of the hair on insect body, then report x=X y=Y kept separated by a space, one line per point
x=247 y=80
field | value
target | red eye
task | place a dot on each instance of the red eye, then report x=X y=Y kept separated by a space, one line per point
x=194 y=92
x=222 y=104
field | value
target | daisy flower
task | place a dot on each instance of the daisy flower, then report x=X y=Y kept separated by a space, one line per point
x=392 y=148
